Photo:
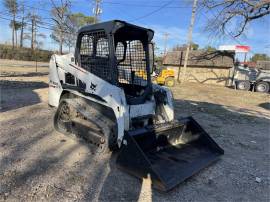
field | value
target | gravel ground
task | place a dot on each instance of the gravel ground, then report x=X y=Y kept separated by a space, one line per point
x=39 y=164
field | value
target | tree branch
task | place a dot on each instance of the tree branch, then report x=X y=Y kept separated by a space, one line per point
x=244 y=11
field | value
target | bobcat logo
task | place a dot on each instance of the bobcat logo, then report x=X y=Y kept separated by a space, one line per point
x=93 y=86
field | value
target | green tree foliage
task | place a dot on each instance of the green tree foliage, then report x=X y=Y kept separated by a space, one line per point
x=17 y=25
x=76 y=21
x=256 y=57
x=79 y=19
x=194 y=46
x=210 y=48
x=183 y=47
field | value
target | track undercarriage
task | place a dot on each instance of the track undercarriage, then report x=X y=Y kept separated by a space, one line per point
x=78 y=120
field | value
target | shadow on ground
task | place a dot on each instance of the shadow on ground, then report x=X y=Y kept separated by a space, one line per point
x=17 y=94
x=97 y=178
x=265 y=105
x=235 y=131
x=23 y=74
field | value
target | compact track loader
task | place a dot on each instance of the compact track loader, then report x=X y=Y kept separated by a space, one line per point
x=104 y=96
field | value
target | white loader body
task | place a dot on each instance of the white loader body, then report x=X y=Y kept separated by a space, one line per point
x=104 y=96
x=113 y=96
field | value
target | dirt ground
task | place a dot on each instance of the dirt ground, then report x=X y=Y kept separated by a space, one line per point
x=39 y=164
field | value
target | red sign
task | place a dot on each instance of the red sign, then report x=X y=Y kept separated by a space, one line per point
x=242 y=49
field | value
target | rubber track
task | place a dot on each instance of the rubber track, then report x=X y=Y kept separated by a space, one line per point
x=88 y=113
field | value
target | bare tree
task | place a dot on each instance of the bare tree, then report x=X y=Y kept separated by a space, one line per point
x=34 y=21
x=16 y=26
x=23 y=24
x=60 y=15
x=226 y=13
x=12 y=7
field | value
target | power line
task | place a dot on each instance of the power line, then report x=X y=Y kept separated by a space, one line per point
x=41 y=9
x=39 y=21
x=154 y=11
x=46 y=10
x=9 y=19
x=120 y=11
x=141 y=5
x=48 y=28
x=98 y=2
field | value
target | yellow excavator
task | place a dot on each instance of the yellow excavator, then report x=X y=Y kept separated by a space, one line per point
x=165 y=77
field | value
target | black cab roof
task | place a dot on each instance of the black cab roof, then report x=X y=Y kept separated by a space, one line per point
x=114 y=25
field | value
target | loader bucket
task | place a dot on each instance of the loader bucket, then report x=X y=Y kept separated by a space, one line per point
x=170 y=155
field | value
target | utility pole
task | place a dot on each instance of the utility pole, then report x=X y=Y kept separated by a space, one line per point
x=166 y=35
x=97 y=11
x=189 y=39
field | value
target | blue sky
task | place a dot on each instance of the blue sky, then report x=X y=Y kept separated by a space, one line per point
x=173 y=19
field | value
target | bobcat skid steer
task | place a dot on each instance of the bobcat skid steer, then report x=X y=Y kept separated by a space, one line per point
x=103 y=99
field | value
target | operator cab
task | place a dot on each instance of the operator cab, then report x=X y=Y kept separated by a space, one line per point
x=121 y=54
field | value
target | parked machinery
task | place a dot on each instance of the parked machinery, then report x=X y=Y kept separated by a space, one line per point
x=246 y=78
x=165 y=76
x=104 y=95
